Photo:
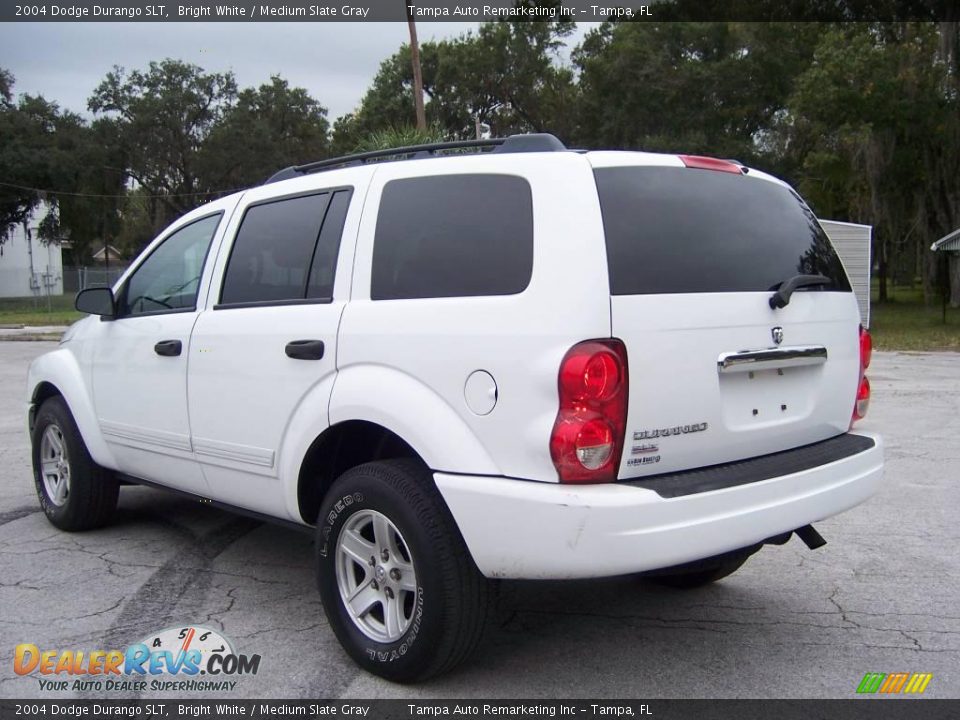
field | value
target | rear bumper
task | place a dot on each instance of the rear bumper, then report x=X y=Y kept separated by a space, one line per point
x=519 y=529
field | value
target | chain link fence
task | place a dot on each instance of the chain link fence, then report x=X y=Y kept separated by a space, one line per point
x=76 y=279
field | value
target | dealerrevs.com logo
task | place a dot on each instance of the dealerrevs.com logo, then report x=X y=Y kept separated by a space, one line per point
x=178 y=659
x=894 y=683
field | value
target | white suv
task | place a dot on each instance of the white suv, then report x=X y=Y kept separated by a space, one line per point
x=465 y=364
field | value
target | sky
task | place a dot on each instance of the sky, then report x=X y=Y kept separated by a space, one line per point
x=335 y=62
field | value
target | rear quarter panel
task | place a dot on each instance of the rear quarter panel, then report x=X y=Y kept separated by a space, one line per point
x=414 y=356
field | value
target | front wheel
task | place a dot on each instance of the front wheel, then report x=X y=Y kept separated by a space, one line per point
x=75 y=493
x=398 y=585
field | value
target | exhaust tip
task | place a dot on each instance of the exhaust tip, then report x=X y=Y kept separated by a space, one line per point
x=810 y=537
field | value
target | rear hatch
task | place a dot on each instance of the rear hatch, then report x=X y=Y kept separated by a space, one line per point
x=716 y=373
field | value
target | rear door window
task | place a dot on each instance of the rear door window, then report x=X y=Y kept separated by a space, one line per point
x=682 y=230
x=453 y=236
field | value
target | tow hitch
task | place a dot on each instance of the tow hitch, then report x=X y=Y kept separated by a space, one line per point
x=811 y=537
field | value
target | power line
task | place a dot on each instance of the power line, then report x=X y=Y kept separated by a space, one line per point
x=96 y=195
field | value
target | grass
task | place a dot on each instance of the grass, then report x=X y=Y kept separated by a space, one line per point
x=36 y=311
x=905 y=323
x=902 y=323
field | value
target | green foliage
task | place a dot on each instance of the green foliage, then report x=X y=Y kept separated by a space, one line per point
x=708 y=88
x=189 y=136
x=163 y=116
x=402 y=136
x=874 y=132
x=906 y=322
x=6 y=86
x=33 y=311
x=268 y=128
x=863 y=117
x=48 y=149
x=504 y=76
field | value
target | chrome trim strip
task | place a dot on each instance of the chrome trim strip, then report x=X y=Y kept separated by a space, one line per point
x=782 y=357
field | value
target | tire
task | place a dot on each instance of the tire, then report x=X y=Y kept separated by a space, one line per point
x=701 y=572
x=420 y=608
x=75 y=493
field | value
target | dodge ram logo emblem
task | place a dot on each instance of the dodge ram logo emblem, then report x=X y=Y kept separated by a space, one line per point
x=777 y=333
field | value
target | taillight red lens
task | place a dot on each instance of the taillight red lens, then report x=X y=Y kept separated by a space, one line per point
x=866 y=348
x=593 y=377
x=862 y=403
x=587 y=438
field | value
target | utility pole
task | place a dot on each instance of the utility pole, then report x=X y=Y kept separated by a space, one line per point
x=417 y=74
x=103 y=229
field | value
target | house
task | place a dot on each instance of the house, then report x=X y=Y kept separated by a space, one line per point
x=28 y=266
x=108 y=254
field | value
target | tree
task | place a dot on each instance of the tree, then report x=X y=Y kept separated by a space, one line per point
x=189 y=136
x=506 y=76
x=163 y=116
x=710 y=88
x=874 y=130
x=389 y=101
x=27 y=127
x=267 y=128
x=55 y=151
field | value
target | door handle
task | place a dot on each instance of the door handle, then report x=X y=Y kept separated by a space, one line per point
x=168 y=348
x=304 y=349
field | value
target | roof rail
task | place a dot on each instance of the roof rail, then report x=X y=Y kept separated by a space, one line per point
x=533 y=142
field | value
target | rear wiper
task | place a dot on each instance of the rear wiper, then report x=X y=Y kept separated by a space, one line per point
x=782 y=296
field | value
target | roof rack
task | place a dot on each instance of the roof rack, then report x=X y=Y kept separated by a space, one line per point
x=533 y=142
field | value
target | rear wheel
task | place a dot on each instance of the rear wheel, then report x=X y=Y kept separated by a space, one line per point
x=398 y=585
x=701 y=572
x=75 y=493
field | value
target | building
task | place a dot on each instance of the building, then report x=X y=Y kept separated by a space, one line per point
x=852 y=243
x=27 y=266
x=950 y=245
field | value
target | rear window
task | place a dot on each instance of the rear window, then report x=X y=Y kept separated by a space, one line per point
x=681 y=230
x=453 y=236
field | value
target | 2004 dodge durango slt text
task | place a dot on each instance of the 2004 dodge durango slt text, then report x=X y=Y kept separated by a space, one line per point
x=481 y=360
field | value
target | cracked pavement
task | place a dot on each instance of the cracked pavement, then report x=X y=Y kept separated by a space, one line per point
x=882 y=596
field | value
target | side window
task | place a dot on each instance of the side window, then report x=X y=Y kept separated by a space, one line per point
x=170 y=277
x=328 y=247
x=453 y=236
x=282 y=246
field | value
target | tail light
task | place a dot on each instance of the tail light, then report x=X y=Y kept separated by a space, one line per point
x=587 y=439
x=863 y=388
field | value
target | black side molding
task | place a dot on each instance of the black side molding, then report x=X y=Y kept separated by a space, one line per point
x=743 y=472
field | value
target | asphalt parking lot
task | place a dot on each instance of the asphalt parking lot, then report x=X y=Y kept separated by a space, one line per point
x=882 y=596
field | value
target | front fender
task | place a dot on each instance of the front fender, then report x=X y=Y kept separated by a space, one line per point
x=61 y=369
x=416 y=413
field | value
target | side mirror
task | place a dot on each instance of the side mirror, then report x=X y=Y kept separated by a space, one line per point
x=96 y=301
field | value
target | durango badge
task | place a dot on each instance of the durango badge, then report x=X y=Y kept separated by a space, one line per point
x=668 y=431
